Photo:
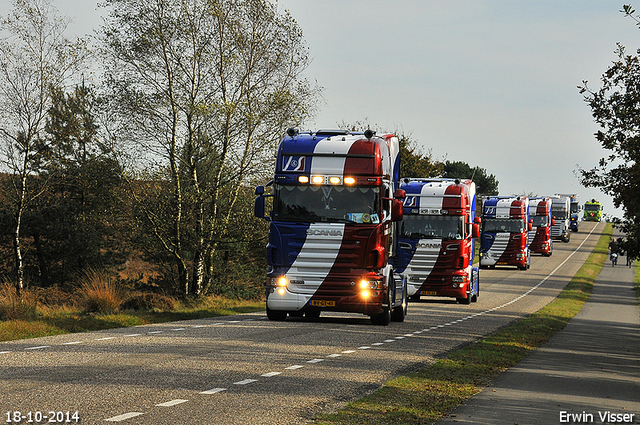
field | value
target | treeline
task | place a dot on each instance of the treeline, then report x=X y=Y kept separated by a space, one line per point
x=147 y=170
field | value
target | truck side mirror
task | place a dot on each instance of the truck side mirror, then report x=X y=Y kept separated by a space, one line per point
x=475 y=230
x=530 y=225
x=399 y=194
x=477 y=220
x=553 y=221
x=396 y=210
x=258 y=204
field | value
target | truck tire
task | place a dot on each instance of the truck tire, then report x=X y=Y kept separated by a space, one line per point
x=400 y=312
x=384 y=318
x=276 y=315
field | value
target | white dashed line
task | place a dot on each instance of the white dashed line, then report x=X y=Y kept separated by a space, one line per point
x=378 y=343
x=389 y=340
x=155 y=332
x=172 y=403
x=72 y=343
x=270 y=374
x=124 y=417
x=179 y=329
x=315 y=361
x=245 y=382
x=334 y=355
x=348 y=351
x=38 y=347
x=294 y=367
x=130 y=335
x=213 y=391
x=106 y=338
x=365 y=347
x=5 y=352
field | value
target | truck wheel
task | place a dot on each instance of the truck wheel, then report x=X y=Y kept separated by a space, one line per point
x=466 y=300
x=276 y=315
x=400 y=312
x=384 y=318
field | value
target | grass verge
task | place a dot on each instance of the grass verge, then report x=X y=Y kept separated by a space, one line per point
x=425 y=396
x=60 y=320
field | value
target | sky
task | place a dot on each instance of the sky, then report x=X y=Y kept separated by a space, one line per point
x=491 y=83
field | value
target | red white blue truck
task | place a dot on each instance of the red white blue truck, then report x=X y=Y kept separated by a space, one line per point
x=541 y=221
x=333 y=226
x=504 y=239
x=436 y=239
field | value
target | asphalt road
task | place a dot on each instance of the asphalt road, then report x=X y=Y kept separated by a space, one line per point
x=247 y=370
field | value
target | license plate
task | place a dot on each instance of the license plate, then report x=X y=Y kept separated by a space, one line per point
x=428 y=293
x=323 y=303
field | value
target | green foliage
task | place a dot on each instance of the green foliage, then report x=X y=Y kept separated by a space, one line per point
x=615 y=107
x=485 y=184
x=415 y=163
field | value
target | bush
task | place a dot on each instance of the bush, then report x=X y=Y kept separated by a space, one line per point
x=101 y=293
x=12 y=307
x=149 y=301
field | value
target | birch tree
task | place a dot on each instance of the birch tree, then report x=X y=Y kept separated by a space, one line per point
x=34 y=56
x=204 y=90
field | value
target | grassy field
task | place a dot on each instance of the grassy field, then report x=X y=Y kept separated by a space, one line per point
x=425 y=396
x=32 y=318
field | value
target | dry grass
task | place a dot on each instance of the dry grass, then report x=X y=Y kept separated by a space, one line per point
x=101 y=293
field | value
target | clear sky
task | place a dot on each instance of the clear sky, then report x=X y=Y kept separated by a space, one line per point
x=490 y=83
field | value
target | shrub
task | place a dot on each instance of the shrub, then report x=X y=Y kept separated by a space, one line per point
x=149 y=301
x=12 y=307
x=101 y=293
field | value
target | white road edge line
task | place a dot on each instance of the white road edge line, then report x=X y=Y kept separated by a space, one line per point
x=213 y=391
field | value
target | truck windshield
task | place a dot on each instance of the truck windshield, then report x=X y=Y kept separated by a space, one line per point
x=342 y=204
x=540 y=220
x=432 y=226
x=511 y=225
x=560 y=215
x=592 y=207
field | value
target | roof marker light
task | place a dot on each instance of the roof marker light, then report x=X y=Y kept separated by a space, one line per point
x=303 y=179
x=317 y=179
x=334 y=180
x=349 y=180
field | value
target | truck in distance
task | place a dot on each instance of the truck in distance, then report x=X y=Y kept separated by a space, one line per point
x=436 y=239
x=504 y=239
x=575 y=208
x=541 y=221
x=333 y=227
x=592 y=211
x=561 y=210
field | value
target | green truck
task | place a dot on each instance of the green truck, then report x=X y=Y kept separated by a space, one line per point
x=592 y=211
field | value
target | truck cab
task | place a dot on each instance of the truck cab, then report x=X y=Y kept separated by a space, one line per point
x=504 y=240
x=436 y=239
x=541 y=221
x=561 y=209
x=333 y=226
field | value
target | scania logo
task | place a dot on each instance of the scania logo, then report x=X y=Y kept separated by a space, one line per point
x=324 y=232
x=428 y=245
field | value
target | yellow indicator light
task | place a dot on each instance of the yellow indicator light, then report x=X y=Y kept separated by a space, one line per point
x=317 y=179
x=349 y=180
x=281 y=291
x=365 y=294
x=364 y=284
x=303 y=179
x=282 y=281
x=334 y=180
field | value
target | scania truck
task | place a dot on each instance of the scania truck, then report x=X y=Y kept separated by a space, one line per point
x=436 y=239
x=561 y=210
x=592 y=211
x=575 y=207
x=333 y=226
x=504 y=239
x=541 y=221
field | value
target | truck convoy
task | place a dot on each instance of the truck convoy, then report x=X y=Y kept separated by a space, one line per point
x=592 y=211
x=505 y=226
x=333 y=226
x=540 y=237
x=561 y=207
x=436 y=239
x=575 y=210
